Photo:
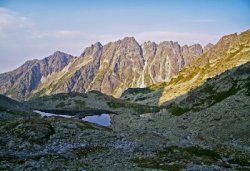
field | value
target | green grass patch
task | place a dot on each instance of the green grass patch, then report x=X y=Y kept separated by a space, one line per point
x=243 y=161
x=2 y=109
x=157 y=86
x=141 y=98
x=134 y=91
x=79 y=104
x=248 y=88
x=61 y=105
x=176 y=110
x=136 y=107
x=214 y=96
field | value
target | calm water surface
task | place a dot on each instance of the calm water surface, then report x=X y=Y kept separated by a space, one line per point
x=103 y=119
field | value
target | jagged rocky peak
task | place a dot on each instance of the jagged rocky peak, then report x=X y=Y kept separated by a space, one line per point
x=126 y=47
x=229 y=40
x=148 y=44
x=94 y=48
x=176 y=45
x=191 y=52
x=166 y=43
x=224 y=45
x=60 y=56
x=128 y=42
x=149 y=49
x=228 y=37
x=196 y=49
x=207 y=47
x=97 y=46
x=172 y=48
x=244 y=37
x=58 y=53
x=55 y=62
x=169 y=48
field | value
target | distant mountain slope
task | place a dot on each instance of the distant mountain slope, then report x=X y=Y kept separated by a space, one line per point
x=231 y=51
x=21 y=81
x=111 y=69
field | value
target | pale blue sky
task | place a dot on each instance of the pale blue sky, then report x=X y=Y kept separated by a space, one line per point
x=36 y=28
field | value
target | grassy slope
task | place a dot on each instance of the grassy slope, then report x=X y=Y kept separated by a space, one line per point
x=213 y=91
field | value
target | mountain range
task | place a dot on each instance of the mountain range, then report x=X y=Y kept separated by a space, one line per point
x=110 y=69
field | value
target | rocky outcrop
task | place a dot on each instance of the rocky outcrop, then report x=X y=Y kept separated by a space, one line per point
x=191 y=52
x=207 y=47
x=121 y=66
x=89 y=63
x=166 y=61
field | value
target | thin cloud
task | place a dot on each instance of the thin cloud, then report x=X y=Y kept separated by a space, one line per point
x=200 y=20
x=10 y=20
x=59 y=34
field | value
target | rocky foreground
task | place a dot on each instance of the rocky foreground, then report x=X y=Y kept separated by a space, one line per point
x=209 y=133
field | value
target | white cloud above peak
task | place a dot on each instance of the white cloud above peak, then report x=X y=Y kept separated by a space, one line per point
x=10 y=20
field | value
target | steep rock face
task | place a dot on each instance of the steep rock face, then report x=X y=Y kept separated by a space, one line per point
x=121 y=66
x=207 y=47
x=83 y=76
x=165 y=60
x=20 y=82
x=191 y=52
x=149 y=51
